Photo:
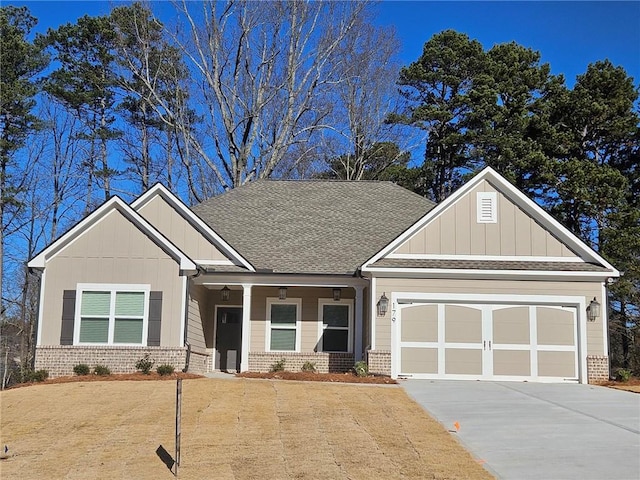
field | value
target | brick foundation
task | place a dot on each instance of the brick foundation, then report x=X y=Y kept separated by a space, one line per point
x=199 y=363
x=59 y=360
x=597 y=368
x=379 y=362
x=324 y=362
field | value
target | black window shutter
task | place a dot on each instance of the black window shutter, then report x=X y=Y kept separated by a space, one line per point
x=155 y=319
x=68 y=317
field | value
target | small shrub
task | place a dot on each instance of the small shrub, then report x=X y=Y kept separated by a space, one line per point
x=309 y=367
x=101 y=370
x=278 y=366
x=623 y=375
x=165 y=370
x=39 y=375
x=82 y=369
x=145 y=364
x=24 y=375
x=361 y=368
x=28 y=375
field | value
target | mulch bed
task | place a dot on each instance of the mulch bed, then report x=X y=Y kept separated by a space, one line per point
x=631 y=385
x=631 y=381
x=320 y=377
x=138 y=376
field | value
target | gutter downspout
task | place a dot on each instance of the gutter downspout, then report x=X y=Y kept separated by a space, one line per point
x=187 y=359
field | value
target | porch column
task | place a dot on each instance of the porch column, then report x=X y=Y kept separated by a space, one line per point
x=358 y=330
x=246 y=327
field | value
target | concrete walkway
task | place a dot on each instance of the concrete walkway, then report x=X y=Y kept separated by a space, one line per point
x=539 y=431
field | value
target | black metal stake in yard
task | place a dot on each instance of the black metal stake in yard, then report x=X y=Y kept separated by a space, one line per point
x=178 y=414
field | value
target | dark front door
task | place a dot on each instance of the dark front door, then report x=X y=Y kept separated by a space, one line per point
x=228 y=338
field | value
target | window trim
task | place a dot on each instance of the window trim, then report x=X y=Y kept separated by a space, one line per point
x=289 y=301
x=321 y=325
x=112 y=288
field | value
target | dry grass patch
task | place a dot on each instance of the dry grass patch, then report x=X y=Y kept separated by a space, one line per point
x=231 y=429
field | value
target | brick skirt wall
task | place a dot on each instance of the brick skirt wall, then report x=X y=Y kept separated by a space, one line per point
x=324 y=362
x=199 y=363
x=597 y=368
x=59 y=360
x=379 y=362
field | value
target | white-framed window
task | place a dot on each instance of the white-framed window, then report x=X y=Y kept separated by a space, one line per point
x=283 y=324
x=487 y=207
x=335 y=326
x=111 y=314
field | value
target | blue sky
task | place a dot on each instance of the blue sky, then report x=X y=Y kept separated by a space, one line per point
x=568 y=34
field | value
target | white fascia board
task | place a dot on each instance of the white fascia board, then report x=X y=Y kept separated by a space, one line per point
x=485 y=274
x=520 y=199
x=193 y=219
x=114 y=203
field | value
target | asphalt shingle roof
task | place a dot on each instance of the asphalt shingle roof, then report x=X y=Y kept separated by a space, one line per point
x=316 y=227
x=489 y=265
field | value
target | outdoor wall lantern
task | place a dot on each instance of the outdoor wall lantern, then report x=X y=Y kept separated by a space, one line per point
x=282 y=293
x=225 y=293
x=593 y=310
x=383 y=305
x=337 y=293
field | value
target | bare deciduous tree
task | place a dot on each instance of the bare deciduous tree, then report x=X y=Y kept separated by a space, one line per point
x=366 y=95
x=261 y=77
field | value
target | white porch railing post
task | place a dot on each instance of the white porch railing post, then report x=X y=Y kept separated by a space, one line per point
x=246 y=327
x=358 y=330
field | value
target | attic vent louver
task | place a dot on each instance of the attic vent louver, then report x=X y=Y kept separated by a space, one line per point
x=487 y=207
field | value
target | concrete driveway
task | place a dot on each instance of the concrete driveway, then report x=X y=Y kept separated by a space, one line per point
x=539 y=431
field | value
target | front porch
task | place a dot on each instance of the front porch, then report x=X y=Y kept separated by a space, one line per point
x=248 y=324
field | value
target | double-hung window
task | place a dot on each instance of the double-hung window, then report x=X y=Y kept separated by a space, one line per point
x=336 y=325
x=283 y=325
x=109 y=314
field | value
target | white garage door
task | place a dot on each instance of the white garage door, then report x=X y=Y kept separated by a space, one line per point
x=490 y=342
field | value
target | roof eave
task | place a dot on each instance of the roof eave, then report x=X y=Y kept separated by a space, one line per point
x=476 y=274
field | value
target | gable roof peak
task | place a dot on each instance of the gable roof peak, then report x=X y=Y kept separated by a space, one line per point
x=521 y=200
x=115 y=203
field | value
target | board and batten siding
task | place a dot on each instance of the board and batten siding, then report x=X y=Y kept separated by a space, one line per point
x=179 y=231
x=309 y=295
x=457 y=232
x=113 y=251
x=595 y=340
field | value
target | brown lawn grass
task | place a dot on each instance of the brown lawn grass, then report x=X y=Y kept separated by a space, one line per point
x=231 y=429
